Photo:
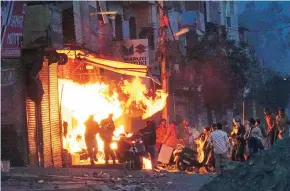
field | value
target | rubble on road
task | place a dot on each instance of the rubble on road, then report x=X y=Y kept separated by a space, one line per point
x=268 y=170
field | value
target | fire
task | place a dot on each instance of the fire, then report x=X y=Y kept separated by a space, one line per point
x=78 y=101
x=200 y=152
x=149 y=105
x=147 y=165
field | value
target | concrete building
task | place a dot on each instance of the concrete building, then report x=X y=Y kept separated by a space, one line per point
x=13 y=118
x=71 y=26
x=224 y=14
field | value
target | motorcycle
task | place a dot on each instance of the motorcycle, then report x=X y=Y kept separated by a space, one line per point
x=131 y=152
x=185 y=158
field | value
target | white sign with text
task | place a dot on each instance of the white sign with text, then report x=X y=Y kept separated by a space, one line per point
x=136 y=51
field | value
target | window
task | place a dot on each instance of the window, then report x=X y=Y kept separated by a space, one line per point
x=132 y=27
x=229 y=21
x=118 y=27
x=148 y=33
x=68 y=26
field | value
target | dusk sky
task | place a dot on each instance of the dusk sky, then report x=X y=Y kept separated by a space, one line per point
x=274 y=50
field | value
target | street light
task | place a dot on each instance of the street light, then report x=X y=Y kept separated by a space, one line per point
x=245 y=94
x=181 y=32
x=104 y=13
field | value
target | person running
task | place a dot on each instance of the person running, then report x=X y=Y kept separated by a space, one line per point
x=220 y=142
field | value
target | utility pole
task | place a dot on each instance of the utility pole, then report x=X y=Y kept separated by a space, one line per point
x=163 y=24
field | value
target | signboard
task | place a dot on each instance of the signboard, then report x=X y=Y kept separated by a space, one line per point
x=136 y=51
x=12 y=28
x=165 y=154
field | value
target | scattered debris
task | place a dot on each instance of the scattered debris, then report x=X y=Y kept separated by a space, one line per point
x=101 y=175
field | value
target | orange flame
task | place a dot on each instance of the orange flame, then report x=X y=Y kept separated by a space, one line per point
x=200 y=152
x=78 y=101
x=147 y=165
x=137 y=93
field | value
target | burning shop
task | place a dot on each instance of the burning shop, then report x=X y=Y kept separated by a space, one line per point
x=78 y=89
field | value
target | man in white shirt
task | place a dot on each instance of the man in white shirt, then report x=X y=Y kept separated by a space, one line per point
x=221 y=143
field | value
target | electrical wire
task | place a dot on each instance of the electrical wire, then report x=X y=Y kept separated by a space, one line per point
x=257 y=31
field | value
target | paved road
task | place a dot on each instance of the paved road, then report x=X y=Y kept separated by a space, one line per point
x=20 y=179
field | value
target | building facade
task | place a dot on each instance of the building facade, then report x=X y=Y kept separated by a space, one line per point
x=13 y=119
x=106 y=29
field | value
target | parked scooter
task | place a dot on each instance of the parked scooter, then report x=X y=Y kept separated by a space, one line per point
x=185 y=158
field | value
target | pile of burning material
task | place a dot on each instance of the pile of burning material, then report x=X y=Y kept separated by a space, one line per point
x=79 y=101
x=199 y=160
x=268 y=170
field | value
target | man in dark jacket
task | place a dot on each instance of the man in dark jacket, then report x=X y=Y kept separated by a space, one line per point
x=149 y=138
x=108 y=128
x=92 y=129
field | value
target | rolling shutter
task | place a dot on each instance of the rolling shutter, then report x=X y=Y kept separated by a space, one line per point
x=45 y=113
x=55 y=124
x=31 y=125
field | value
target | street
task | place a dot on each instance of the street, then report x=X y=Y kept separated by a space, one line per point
x=21 y=179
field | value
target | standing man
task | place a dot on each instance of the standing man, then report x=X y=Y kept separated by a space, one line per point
x=271 y=127
x=185 y=134
x=238 y=140
x=221 y=143
x=282 y=122
x=92 y=129
x=108 y=128
x=160 y=133
x=170 y=137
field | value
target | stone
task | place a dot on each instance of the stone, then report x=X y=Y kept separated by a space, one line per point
x=270 y=171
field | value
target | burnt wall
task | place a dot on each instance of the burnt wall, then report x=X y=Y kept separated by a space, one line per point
x=13 y=115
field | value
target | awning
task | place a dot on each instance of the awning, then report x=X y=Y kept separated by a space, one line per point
x=115 y=66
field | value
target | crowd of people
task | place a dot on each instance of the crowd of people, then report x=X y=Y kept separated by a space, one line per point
x=240 y=145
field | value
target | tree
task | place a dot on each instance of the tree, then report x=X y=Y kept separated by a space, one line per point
x=223 y=69
x=276 y=91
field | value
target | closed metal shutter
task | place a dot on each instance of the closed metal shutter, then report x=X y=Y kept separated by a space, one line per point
x=55 y=124
x=31 y=125
x=45 y=113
